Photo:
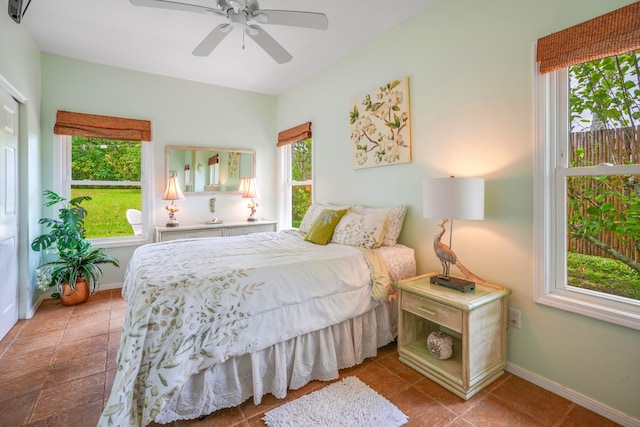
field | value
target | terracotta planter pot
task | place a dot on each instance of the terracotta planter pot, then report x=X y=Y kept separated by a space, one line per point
x=69 y=296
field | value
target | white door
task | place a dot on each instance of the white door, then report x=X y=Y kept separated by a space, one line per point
x=8 y=212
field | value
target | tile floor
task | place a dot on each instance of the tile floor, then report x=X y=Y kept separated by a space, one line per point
x=57 y=368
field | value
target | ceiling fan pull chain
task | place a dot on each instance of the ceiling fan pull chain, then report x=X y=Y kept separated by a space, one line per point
x=243 y=31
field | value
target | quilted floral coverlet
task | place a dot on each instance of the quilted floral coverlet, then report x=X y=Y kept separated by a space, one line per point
x=192 y=304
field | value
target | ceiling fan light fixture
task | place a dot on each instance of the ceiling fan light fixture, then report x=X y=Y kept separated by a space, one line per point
x=252 y=30
x=260 y=17
x=238 y=20
x=235 y=4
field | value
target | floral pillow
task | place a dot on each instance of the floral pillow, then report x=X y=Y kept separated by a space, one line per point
x=312 y=213
x=322 y=228
x=396 y=219
x=366 y=231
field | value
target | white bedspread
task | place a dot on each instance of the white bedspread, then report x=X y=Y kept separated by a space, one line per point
x=239 y=295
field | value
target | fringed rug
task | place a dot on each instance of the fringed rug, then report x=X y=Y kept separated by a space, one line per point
x=349 y=402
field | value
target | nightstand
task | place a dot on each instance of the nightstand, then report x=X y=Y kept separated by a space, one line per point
x=476 y=320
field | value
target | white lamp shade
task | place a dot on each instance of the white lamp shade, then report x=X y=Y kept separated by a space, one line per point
x=453 y=198
x=173 y=191
x=250 y=189
x=243 y=185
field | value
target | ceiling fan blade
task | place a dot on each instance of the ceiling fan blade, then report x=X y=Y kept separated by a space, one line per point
x=212 y=40
x=266 y=42
x=292 y=18
x=172 y=5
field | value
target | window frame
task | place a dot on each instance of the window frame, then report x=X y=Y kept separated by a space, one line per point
x=285 y=218
x=550 y=155
x=63 y=182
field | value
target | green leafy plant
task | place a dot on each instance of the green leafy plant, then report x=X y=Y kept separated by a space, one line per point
x=76 y=258
x=300 y=171
x=605 y=106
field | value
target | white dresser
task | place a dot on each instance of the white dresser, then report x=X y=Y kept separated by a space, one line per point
x=223 y=229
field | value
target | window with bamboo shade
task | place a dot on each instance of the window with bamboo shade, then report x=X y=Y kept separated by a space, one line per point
x=587 y=167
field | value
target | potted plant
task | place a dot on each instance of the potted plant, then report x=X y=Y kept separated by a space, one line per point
x=75 y=273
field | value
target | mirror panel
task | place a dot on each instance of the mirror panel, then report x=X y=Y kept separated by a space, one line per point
x=206 y=169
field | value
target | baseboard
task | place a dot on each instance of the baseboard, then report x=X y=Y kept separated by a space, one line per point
x=109 y=286
x=34 y=307
x=573 y=396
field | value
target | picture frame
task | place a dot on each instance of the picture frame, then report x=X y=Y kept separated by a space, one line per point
x=380 y=126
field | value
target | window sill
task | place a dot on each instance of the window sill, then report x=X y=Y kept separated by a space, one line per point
x=118 y=242
x=611 y=309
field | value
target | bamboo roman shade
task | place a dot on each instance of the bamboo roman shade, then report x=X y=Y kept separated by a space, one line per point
x=607 y=35
x=94 y=126
x=294 y=134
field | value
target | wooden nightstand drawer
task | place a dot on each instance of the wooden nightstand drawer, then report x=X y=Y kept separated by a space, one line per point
x=439 y=313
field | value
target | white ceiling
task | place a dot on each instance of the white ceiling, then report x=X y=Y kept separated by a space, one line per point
x=159 y=41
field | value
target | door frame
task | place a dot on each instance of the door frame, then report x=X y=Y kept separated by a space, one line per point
x=26 y=306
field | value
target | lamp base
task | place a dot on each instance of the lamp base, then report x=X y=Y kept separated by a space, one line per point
x=458 y=284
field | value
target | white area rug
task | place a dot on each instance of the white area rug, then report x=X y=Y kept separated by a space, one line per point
x=349 y=402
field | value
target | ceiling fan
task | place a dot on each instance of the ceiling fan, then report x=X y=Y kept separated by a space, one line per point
x=243 y=14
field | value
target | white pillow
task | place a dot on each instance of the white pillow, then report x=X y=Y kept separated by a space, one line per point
x=366 y=231
x=312 y=214
x=396 y=219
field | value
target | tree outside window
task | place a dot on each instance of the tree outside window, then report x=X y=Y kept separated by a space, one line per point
x=301 y=180
x=602 y=176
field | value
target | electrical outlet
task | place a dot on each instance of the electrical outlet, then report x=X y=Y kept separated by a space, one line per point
x=515 y=318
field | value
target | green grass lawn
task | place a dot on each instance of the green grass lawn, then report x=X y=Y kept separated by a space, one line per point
x=603 y=275
x=107 y=210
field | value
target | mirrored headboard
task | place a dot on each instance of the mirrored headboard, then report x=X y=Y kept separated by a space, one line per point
x=206 y=169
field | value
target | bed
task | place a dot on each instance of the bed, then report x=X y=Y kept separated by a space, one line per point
x=211 y=322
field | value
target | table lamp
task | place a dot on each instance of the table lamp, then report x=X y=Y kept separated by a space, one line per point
x=452 y=198
x=172 y=192
x=250 y=191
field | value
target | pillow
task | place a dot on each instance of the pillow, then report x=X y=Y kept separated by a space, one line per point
x=322 y=228
x=312 y=213
x=366 y=231
x=396 y=219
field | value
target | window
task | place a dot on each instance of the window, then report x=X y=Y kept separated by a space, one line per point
x=110 y=171
x=587 y=169
x=296 y=160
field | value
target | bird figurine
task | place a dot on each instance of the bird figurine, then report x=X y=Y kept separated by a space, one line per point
x=447 y=257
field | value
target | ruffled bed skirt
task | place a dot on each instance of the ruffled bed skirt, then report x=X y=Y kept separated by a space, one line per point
x=287 y=365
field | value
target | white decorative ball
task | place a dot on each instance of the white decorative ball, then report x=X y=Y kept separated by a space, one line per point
x=440 y=345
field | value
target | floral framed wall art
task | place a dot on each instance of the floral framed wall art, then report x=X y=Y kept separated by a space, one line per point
x=380 y=126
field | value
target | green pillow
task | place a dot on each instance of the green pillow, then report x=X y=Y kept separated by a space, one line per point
x=322 y=228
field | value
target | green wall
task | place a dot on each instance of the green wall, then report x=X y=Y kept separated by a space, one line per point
x=471 y=72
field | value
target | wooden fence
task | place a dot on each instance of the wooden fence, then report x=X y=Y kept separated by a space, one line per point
x=617 y=146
